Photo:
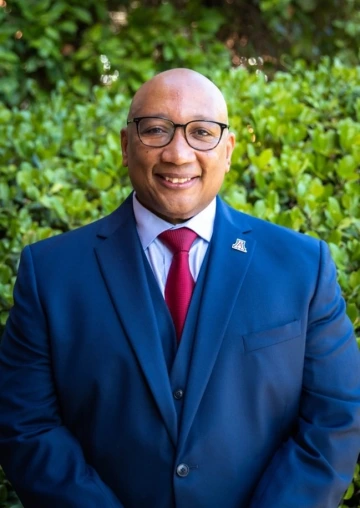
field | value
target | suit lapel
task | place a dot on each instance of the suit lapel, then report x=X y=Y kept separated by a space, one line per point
x=122 y=264
x=225 y=272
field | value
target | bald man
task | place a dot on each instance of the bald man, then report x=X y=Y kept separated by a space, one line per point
x=178 y=353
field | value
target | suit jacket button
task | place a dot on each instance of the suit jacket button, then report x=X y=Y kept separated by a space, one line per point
x=178 y=394
x=182 y=470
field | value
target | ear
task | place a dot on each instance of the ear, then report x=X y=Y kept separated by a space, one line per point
x=230 y=145
x=124 y=146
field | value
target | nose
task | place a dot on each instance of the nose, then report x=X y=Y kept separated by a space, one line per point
x=178 y=151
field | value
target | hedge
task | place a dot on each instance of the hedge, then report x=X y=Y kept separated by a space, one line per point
x=296 y=163
x=84 y=42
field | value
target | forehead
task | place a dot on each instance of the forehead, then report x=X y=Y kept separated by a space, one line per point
x=180 y=101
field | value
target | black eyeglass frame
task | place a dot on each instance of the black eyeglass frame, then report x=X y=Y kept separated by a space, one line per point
x=137 y=120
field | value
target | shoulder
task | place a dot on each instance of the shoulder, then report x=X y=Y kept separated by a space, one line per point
x=277 y=246
x=267 y=232
x=71 y=255
x=86 y=236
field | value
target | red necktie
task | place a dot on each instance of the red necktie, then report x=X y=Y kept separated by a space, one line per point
x=179 y=284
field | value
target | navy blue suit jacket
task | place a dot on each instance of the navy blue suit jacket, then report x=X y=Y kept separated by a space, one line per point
x=268 y=366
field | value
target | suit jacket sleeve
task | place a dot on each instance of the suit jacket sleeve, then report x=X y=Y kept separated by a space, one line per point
x=314 y=466
x=41 y=458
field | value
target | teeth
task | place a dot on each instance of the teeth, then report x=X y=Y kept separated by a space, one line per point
x=177 y=180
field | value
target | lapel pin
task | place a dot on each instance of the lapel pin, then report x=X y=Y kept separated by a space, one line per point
x=239 y=245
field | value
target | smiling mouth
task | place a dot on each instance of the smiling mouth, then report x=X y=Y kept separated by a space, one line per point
x=177 y=180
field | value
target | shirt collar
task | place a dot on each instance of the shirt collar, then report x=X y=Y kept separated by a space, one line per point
x=150 y=226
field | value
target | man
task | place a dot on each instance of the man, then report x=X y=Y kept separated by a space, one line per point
x=108 y=398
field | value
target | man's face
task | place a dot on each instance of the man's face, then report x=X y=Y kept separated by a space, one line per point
x=176 y=181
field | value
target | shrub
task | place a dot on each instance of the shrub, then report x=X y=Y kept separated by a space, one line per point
x=81 y=43
x=84 y=42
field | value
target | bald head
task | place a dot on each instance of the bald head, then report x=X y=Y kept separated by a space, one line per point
x=183 y=88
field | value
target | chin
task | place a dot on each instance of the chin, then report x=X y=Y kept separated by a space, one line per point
x=174 y=218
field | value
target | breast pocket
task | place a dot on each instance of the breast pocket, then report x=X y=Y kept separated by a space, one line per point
x=272 y=336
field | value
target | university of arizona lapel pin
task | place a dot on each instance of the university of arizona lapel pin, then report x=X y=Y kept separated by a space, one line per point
x=239 y=245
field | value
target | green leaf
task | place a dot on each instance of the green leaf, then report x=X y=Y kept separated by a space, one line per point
x=55 y=204
x=3 y=489
x=347 y=168
x=5 y=274
x=76 y=202
x=353 y=313
x=82 y=14
x=32 y=192
x=100 y=180
x=263 y=160
x=8 y=56
x=324 y=142
x=5 y=115
x=339 y=255
x=350 y=491
x=354 y=279
x=4 y=192
x=333 y=211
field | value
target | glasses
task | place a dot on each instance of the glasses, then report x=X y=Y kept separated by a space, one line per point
x=157 y=132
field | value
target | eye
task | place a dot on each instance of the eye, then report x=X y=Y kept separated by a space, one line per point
x=201 y=133
x=154 y=127
x=154 y=130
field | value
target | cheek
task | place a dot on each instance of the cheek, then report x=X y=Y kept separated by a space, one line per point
x=140 y=160
x=215 y=165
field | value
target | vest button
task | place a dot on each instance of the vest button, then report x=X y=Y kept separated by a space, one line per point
x=182 y=470
x=178 y=394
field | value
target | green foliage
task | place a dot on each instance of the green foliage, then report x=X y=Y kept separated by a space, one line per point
x=310 y=29
x=36 y=40
x=121 y=44
x=60 y=166
x=353 y=490
x=81 y=43
x=8 y=497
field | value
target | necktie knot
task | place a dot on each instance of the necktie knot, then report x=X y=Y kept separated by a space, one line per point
x=178 y=240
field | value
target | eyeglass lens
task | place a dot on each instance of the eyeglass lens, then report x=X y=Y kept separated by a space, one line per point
x=201 y=135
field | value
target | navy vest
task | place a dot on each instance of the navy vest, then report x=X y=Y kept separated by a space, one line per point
x=177 y=358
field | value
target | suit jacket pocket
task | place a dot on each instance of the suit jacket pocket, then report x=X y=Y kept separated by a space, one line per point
x=265 y=338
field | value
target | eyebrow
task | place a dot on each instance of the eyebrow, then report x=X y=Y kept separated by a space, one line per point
x=162 y=115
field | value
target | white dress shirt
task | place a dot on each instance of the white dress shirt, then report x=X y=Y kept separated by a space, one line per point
x=150 y=226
